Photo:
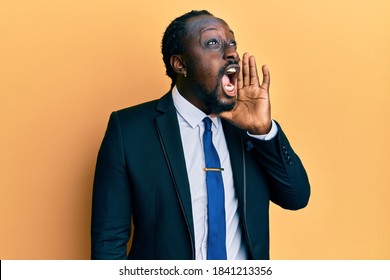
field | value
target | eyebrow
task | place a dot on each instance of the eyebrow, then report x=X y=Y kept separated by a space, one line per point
x=212 y=28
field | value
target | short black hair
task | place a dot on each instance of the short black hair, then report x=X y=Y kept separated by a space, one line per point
x=172 y=42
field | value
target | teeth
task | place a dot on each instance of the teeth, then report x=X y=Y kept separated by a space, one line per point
x=229 y=87
x=231 y=70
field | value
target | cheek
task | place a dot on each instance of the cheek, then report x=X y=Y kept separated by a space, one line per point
x=208 y=71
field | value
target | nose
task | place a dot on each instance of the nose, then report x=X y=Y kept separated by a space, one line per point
x=231 y=53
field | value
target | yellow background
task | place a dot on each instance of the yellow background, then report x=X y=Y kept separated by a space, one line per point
x=66 y=64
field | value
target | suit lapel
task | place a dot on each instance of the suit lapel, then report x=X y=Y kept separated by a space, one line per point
x=169 y=133
x=235 y=147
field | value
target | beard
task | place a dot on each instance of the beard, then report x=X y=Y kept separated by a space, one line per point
x=214 y=104
x=211 y=97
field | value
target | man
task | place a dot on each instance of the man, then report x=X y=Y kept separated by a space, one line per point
x=154 y=177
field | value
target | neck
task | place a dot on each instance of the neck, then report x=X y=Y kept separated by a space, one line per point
x=188 y=93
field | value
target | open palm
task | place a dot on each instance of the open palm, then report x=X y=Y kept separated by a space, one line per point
x=253 y=108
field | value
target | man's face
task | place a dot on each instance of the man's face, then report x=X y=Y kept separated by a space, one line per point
x=212 y=64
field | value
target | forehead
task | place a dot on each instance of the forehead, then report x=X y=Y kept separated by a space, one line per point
x=197 y=25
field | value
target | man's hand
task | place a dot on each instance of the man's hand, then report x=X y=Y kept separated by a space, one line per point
x=253 y=108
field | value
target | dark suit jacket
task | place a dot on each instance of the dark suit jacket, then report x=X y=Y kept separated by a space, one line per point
x=141 y=180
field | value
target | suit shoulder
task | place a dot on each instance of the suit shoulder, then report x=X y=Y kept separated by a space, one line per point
x=147 y=110
x=144 y=115
x=137 y=110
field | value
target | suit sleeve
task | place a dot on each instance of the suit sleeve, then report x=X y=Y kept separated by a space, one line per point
x=290 y=186
x=111 y=201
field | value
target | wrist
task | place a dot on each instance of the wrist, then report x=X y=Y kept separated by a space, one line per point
x=261 y=130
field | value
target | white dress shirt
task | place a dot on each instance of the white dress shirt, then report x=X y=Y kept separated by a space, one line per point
x=191 y=129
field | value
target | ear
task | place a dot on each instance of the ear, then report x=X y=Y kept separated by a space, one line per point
x=178 y=65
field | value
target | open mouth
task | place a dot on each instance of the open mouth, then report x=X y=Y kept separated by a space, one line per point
x=229 y=79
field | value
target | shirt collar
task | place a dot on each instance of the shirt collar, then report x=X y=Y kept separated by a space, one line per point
x=190 y=113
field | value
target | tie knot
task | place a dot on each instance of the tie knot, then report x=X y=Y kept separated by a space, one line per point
x=207 y=123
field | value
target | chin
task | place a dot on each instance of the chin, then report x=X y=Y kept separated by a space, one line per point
x=216 y=100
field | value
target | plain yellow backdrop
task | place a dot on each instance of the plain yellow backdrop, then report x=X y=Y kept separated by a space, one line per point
x=66 y=64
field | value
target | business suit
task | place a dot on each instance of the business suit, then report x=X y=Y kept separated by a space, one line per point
x=141 y=173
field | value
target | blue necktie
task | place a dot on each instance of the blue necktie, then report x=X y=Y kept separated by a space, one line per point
x=216 y=244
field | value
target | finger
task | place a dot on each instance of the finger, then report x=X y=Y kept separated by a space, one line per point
x=254 y=77
x=266 y=78
x=240 y=81
x=245 y=70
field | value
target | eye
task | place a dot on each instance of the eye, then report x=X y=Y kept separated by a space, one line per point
x=212 y=42
x=233 y=43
